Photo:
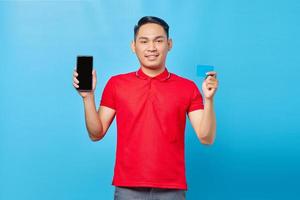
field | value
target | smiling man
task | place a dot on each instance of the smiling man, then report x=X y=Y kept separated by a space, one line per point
x=151 y=105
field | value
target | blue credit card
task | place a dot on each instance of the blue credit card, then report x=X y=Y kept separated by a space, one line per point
x=203 y=69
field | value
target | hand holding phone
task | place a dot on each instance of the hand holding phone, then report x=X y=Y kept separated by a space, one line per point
x=84 y=76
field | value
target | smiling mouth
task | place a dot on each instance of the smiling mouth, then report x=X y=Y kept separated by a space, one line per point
x=152 y=57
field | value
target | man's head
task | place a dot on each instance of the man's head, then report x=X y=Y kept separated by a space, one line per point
x=151 y=42
x=151 y=19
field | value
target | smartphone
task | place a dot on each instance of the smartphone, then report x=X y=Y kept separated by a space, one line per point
x=203 y=69
x=84 y=70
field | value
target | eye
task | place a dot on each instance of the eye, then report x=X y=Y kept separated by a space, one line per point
x=159 y=41
x=143 y=41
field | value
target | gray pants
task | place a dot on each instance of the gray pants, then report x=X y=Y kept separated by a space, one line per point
x=144 y=193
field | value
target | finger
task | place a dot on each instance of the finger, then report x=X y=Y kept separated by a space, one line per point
x=75 y=85
x=213 y=81
x=94 y=79
x=211 y=74
x=210 y=78
x=94 y=73
x=211 y=85
x=94 y=76
x=75 y=74
x=75 y=80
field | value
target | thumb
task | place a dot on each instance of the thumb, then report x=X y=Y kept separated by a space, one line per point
x=94 y=78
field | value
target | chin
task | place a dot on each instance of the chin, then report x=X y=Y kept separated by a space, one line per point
x=153 y=65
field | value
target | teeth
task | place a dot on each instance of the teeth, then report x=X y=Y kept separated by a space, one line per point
x=152 y=56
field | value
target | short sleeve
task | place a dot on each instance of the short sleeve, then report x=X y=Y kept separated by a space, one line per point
x=196 y=100
x=108 y=95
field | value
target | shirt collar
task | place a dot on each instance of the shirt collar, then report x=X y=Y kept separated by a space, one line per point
x=162 y=76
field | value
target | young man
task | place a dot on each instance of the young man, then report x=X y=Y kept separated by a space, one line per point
x=150 y=106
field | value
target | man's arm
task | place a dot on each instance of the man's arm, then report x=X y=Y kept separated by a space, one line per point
x=204 y=123
x=97 y=123
x=106 y=115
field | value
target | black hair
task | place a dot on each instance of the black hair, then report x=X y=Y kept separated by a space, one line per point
x=151 y=19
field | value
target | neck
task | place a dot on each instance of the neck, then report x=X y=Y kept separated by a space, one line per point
x=152 y=72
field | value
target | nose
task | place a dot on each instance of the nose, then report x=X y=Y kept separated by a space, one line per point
x=152 y=46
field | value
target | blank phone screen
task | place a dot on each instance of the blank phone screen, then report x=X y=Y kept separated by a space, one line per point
x=84 y=70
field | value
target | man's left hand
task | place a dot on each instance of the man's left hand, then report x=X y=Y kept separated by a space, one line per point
x=210 y=85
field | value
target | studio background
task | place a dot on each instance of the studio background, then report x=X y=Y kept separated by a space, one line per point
x=45 y=151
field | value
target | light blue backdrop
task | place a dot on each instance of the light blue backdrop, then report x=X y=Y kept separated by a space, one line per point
x=45 y=152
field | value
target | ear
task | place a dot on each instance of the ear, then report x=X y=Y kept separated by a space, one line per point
x=170 y=44
x=133 y=46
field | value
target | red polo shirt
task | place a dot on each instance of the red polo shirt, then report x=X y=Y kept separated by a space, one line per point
x=151 y=117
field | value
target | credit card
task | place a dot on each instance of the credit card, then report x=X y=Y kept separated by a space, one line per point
x=203 y=69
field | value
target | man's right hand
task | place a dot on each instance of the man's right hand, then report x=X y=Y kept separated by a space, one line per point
x=76 y=82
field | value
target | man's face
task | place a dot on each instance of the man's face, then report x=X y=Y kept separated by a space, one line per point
x=151 y=46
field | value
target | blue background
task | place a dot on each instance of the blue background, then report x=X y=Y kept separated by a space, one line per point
x=45 y=151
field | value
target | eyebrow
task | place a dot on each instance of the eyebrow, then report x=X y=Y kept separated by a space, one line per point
x=146 y=38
